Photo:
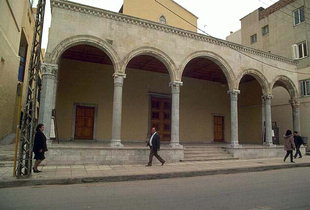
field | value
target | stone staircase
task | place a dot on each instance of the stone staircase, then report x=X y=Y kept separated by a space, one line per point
x=7 y=155
x=206 y=153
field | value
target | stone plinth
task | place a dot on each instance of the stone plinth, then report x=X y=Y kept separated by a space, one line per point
x=94 y=154
x=258 y=151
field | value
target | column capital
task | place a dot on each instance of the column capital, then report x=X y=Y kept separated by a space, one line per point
x=119 y=79
x=175 y=87
x=48 y=69
x=176 y=84
x=295 y=102
x=234 y=94
x=116 y=75
x=267 y=97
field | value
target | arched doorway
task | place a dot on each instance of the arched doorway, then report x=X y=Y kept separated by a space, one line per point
x=285 y=107
x=250 y=109
x=84 y=94
x=204 y=102
x=146 y=96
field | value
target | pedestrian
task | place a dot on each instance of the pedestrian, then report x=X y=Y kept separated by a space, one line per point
x=154 y=144
x=39 y=147
x=289 y=145
x=298 y=142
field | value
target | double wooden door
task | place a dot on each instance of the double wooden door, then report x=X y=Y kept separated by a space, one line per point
x=84 y=122
x=218 y=128
x=161 y=116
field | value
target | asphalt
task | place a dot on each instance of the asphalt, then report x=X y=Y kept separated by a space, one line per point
x=77 y=174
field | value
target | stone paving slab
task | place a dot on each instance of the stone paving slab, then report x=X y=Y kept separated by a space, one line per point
x=75 y=174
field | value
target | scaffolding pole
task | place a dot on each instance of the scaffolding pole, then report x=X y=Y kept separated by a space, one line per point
x=30 y=116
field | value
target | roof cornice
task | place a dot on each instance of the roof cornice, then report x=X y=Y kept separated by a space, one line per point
x=76 y=7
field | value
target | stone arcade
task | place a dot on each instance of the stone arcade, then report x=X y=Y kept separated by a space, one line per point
x=184 y=83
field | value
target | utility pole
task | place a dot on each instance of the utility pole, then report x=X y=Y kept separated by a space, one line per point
x=29 y=120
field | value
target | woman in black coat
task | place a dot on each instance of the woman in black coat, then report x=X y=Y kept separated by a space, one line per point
x=39 y=147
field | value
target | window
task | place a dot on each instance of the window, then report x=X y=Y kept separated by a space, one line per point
x=305 y=87
x=300 y=50
x=265 y=30
x=162 y=19
x=299 y=15
x=253 y=38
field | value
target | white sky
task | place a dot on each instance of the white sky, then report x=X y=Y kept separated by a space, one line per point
x=216 y=17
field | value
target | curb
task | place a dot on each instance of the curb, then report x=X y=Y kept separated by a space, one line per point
x=81 y=180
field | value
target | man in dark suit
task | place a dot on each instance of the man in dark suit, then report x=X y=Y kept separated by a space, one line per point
x=154 y=144
x=298 y=142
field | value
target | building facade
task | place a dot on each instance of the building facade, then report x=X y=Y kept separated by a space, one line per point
x=164 y=11
x=282 y=29
x=114 y=80
x=16 y=34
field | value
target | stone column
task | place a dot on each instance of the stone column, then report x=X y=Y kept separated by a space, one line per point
x=175 y=115
x=234 y=117
x=263 y=120
x=117 y=110
x=268 y=123
x=296 y=114
x=47 y=102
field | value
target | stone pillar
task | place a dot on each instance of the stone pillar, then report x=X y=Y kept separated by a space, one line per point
x=47 y=102
x=117 y=110
x=263 y=120
x=234 y=117
x=175 y=115
x=268 y=123
x=296 y=114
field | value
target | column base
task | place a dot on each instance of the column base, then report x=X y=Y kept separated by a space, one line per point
x=234 y=145
x=116 y=143
x=269 y=144
x=176 y=145
x=49 y=142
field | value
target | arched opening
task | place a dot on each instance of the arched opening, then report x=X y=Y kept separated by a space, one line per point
x=84 y=94
x=146 y=98
x=250 y=111
x=204 y=102
x=281 y=110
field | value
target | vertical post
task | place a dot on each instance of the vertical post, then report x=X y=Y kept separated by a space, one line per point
x=117 y=110
x=263 y=120
x=47 y=102
x=268 y=123
x=175 y=115
x=296 y=114
x=234 y=117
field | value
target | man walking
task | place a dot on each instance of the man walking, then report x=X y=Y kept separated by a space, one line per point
x=154 y=144
x=298 y=142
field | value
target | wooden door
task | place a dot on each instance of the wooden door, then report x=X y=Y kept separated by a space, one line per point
x=161 y=116
x=219 y=128
x=84 y=122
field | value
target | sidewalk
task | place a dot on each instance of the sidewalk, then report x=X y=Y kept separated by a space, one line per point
x=75 y=174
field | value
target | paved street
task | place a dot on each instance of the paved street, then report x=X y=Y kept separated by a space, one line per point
x=279 y=189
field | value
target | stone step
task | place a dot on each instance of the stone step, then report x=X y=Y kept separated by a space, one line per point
x=208 y=159
x=6 y=163
x=6 y=157
x=205 y=152
x=209 y=155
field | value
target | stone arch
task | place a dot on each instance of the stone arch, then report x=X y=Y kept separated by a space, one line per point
x=67 y=43
x=225 y=67
x=287 y=83
x=262 y=80
x=151 y=51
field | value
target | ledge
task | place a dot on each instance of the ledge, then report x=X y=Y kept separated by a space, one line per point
x=64 y=4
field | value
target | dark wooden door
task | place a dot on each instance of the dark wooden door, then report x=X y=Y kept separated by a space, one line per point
x=161 y=116
x=219 y=128
x=84 y=122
